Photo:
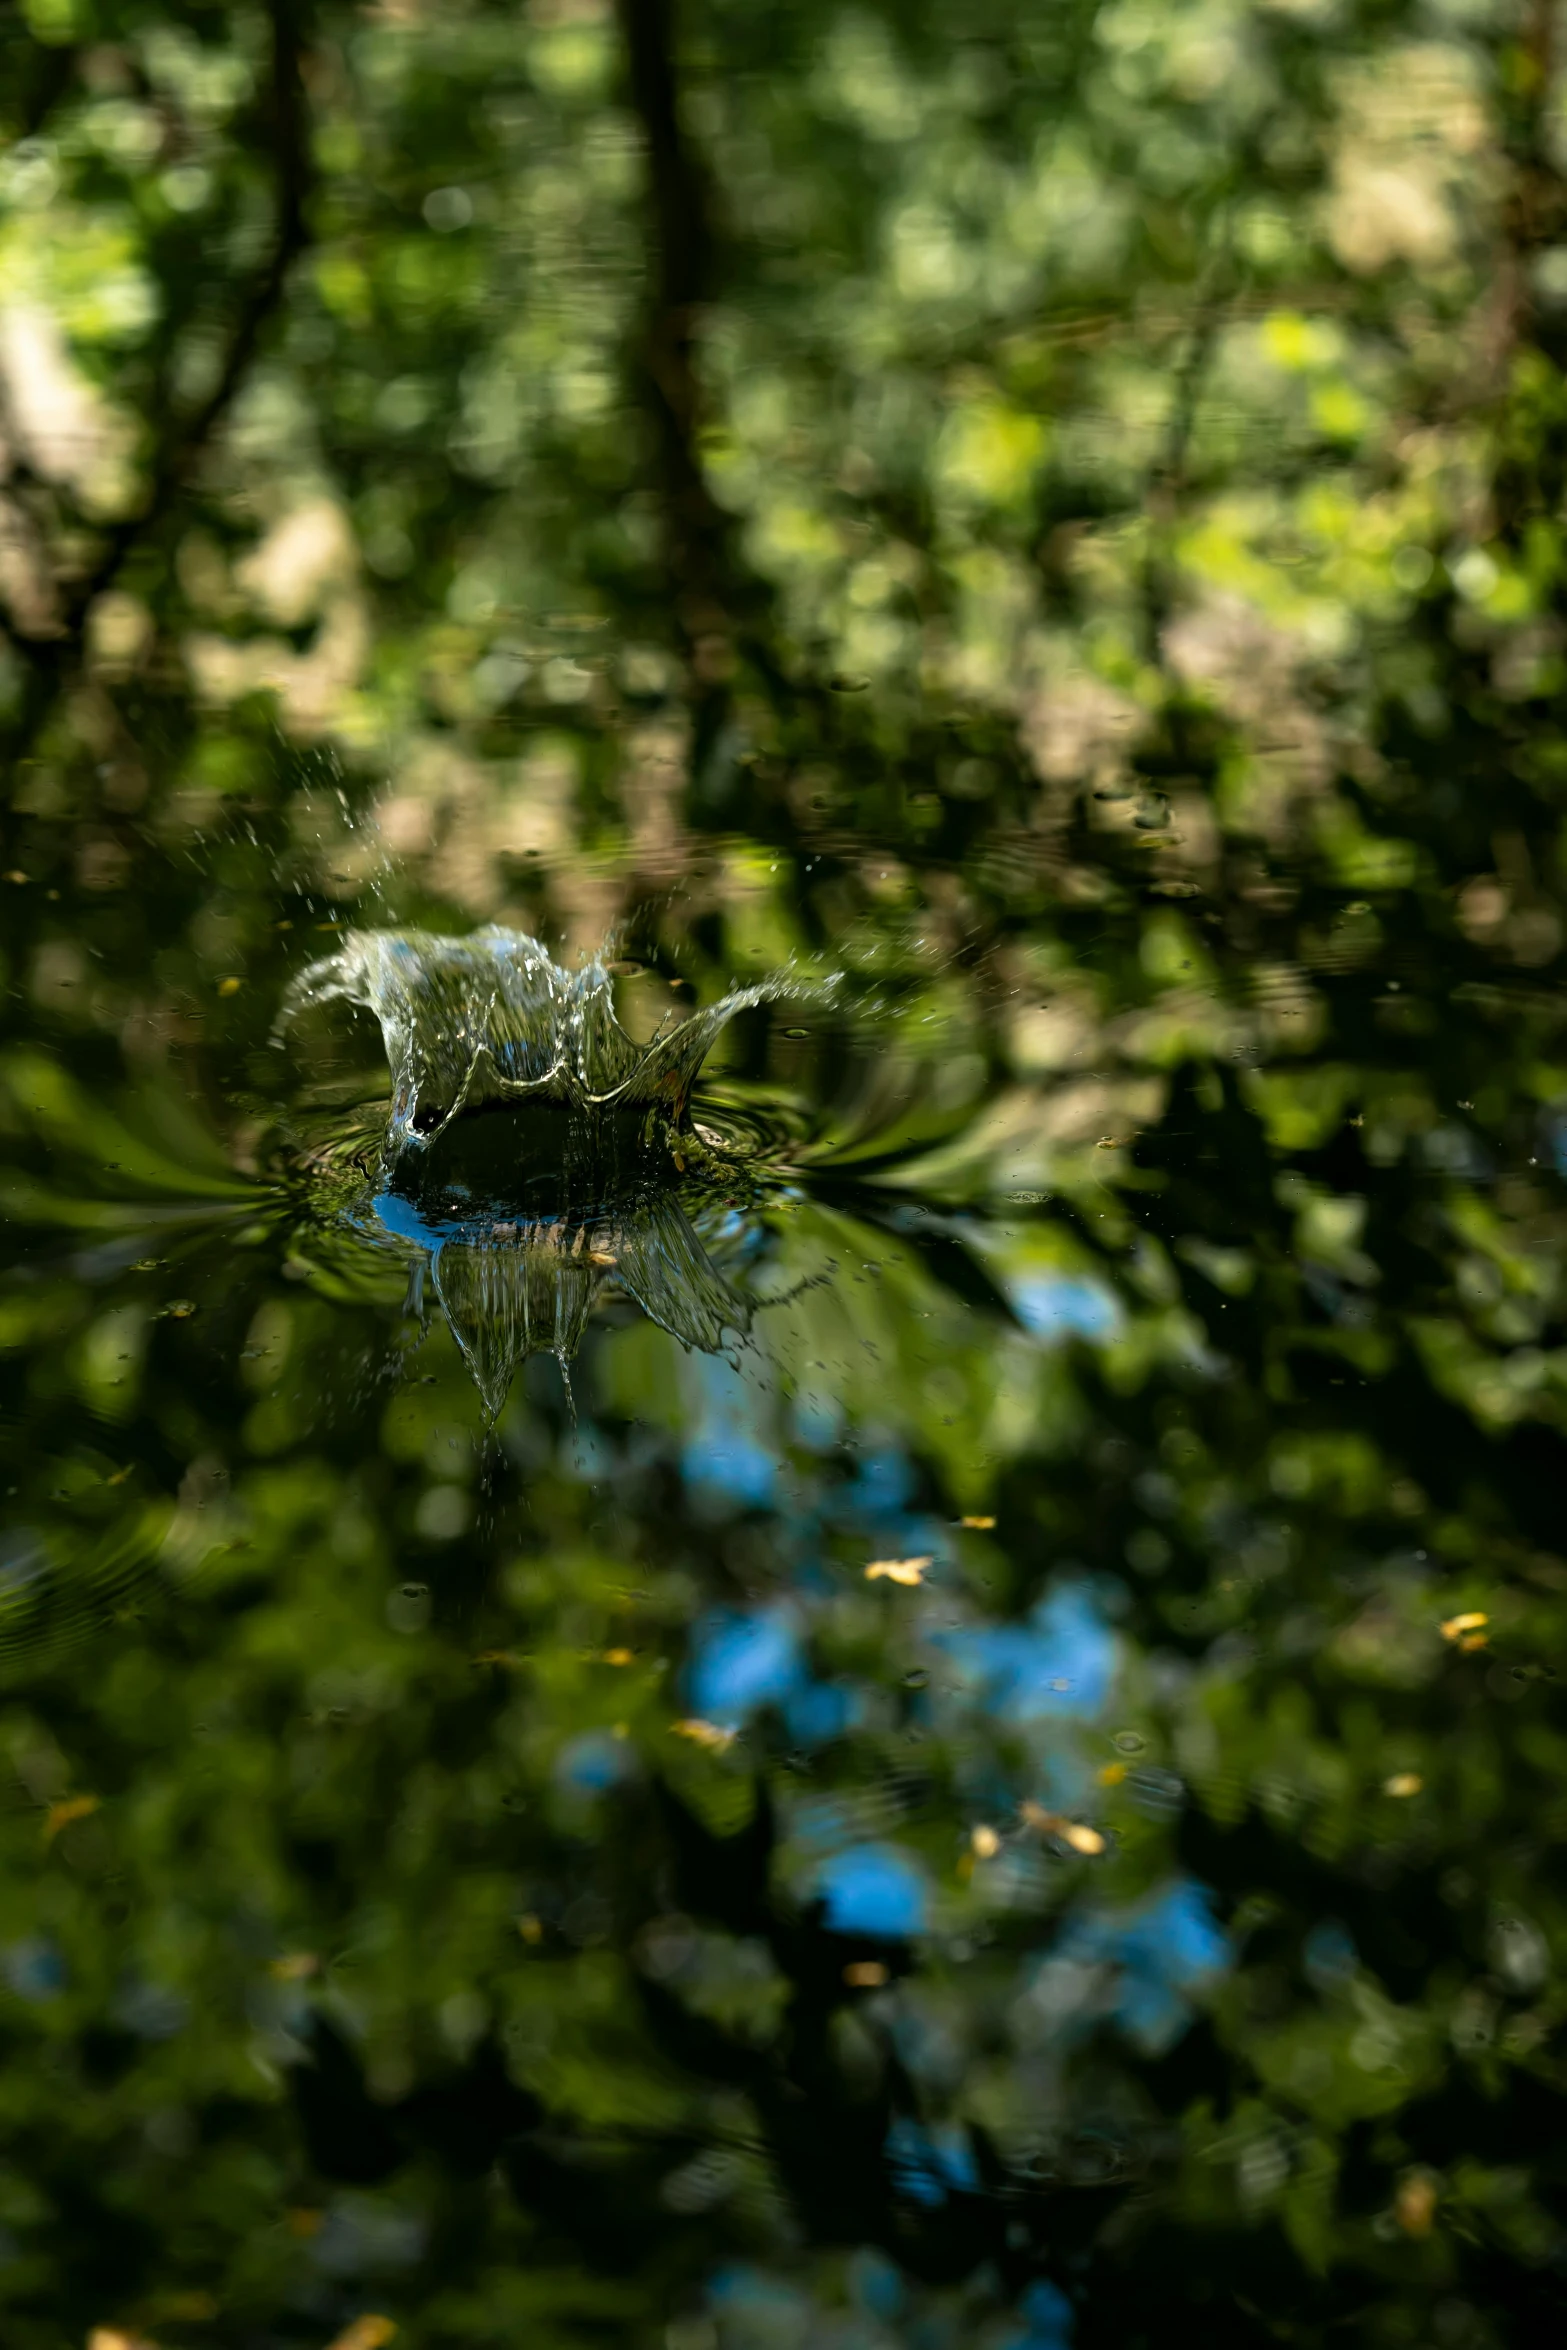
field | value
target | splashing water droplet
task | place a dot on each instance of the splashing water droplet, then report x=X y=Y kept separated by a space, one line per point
x=491 y=1017
x=532 y=1150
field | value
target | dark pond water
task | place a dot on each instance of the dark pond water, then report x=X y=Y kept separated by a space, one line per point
x=783 y=1114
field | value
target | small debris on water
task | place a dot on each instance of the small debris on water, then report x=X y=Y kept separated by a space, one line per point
x=709 y=1734
x=909 y=1572
x=369 y=2332
x=1414 y=2206
x=1465 y=1631
x=70 y=1807
x=1074 y=1833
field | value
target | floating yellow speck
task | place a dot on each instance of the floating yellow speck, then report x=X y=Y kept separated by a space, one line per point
x=115 y=2338
x=530 y=1928
x=701 y=1733
x=978 y=1525
x=294 y=1966
x=1403 y=1783
x=365 y=2333
x=17 y=876
x=69 y=1808
x=1456 y=1626
x=986 y=1842
x=604 y=1257
x=496 y=1656
x=865 y=1974
x=617 y=1656
x=906 y=1571
x=1414 y=2206
x=1111 y=1774
x=230 y=986
x=1074 y=1833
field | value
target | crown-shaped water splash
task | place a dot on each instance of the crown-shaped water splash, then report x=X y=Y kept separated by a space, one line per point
x=492 y=1017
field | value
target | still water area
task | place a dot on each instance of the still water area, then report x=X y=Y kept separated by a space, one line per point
x=783 y=1390
x=874 y=1669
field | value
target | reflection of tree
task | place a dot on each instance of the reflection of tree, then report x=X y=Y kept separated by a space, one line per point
x=680 y=281
x=183 y=432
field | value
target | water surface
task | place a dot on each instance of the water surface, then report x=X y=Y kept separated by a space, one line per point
x=782 y=1115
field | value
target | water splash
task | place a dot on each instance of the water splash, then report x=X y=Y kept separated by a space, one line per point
x=491 y=1017
x=534 y=1154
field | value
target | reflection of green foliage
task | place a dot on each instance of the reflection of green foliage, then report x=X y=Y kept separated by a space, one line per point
x=1056 y=516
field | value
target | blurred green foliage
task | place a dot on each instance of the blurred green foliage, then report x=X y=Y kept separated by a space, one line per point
x=1057 y=516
